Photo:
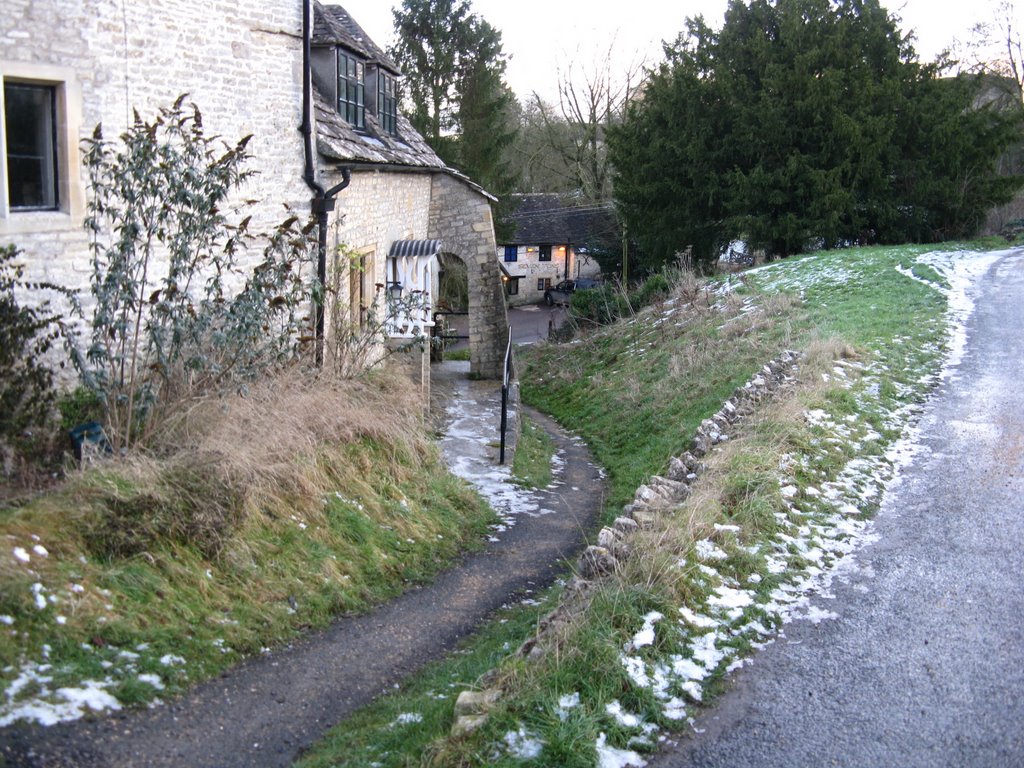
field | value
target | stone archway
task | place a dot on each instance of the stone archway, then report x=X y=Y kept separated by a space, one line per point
x=460 y=217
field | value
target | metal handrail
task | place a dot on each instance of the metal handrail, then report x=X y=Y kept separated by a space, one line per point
x=504 y=395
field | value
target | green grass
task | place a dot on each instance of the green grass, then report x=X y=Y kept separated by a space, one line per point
x=370 y=516
x=635 y=392
x=457 y=354
x=378 y=734
x=142 y=563
x=531 y=465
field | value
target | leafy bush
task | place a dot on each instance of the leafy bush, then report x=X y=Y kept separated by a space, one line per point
x=27 y=334
x=654 y=289
x=608 y=302
x=602 y=305
x=170 y=321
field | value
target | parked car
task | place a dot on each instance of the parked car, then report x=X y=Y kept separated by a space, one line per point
x=562 y=293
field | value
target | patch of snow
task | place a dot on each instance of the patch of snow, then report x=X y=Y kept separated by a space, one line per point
x=645 y=636
x=612 y=757
x=621 y=716
x=565 y=703
x=523 y=745
x=405 y=718
x=153 y=680
x=708 y=550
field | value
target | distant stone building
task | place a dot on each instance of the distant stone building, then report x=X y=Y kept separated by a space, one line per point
x=555 y=238
x=66 y=67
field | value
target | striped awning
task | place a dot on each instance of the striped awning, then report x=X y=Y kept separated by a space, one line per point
x=415 y=248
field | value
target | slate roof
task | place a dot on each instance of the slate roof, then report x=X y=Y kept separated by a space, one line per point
x=554 y=218
x=338 y=140
x=332 y=25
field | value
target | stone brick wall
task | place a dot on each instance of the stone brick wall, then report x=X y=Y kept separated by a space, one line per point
x=460 y=216
x=239 y=61
x=377 y=208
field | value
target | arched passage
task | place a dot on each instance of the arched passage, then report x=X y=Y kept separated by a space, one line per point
x=460 y=217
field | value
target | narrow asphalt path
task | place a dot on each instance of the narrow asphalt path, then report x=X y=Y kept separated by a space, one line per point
x=268 y=709
x=925 y=664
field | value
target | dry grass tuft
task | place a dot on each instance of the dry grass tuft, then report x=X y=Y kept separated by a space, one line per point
x=245 y=457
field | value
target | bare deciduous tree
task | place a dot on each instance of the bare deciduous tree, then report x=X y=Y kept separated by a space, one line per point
x=996 y=48
x=573 y=131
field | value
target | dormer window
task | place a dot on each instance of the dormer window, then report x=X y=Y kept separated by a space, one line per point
x=351 y=91
x=387 y=102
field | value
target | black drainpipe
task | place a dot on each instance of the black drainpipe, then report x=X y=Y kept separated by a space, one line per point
x=323 y=200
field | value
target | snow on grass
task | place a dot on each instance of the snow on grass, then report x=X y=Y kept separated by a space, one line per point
x=646 y=634
x=48 y=706
x=708 y=550
x=621 y=716
x=612 y=757
x=523 y=745
x=407 y=718
x=565 y=703
x=820 y=536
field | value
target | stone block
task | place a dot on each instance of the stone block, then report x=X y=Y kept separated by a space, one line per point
x=476 y=702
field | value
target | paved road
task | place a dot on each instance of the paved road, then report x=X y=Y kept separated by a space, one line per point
x=530 y=323
x=267 y=710
x=925 y=666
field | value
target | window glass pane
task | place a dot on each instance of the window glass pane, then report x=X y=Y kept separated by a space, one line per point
x=511 y=252
x=31 y=152
x=387 y=103
x=351 y=104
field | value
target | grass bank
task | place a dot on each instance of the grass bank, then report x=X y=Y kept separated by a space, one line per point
x=272 y=514
x=778 y=504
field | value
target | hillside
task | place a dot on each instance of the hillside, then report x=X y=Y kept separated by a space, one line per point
x=780 y=501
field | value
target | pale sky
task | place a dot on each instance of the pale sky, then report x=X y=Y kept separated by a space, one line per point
x=542 y=35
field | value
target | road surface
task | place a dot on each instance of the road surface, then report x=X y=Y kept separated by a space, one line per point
x=925 y=664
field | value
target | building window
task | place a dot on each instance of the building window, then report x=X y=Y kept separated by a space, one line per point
x=511 y=253
x=512 y=286
x=30 y=128
x=545 y=253
x=387 y=102
x=543 y=283
x=351 y=90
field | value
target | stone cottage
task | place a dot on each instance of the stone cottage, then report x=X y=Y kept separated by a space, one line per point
x=66 y=67
x=403 y=205
x=554 y=239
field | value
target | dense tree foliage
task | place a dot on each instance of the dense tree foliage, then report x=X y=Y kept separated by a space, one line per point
x=453 y=82
x=804 y=123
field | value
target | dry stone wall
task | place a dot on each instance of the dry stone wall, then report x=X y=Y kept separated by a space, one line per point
x=615 y=542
